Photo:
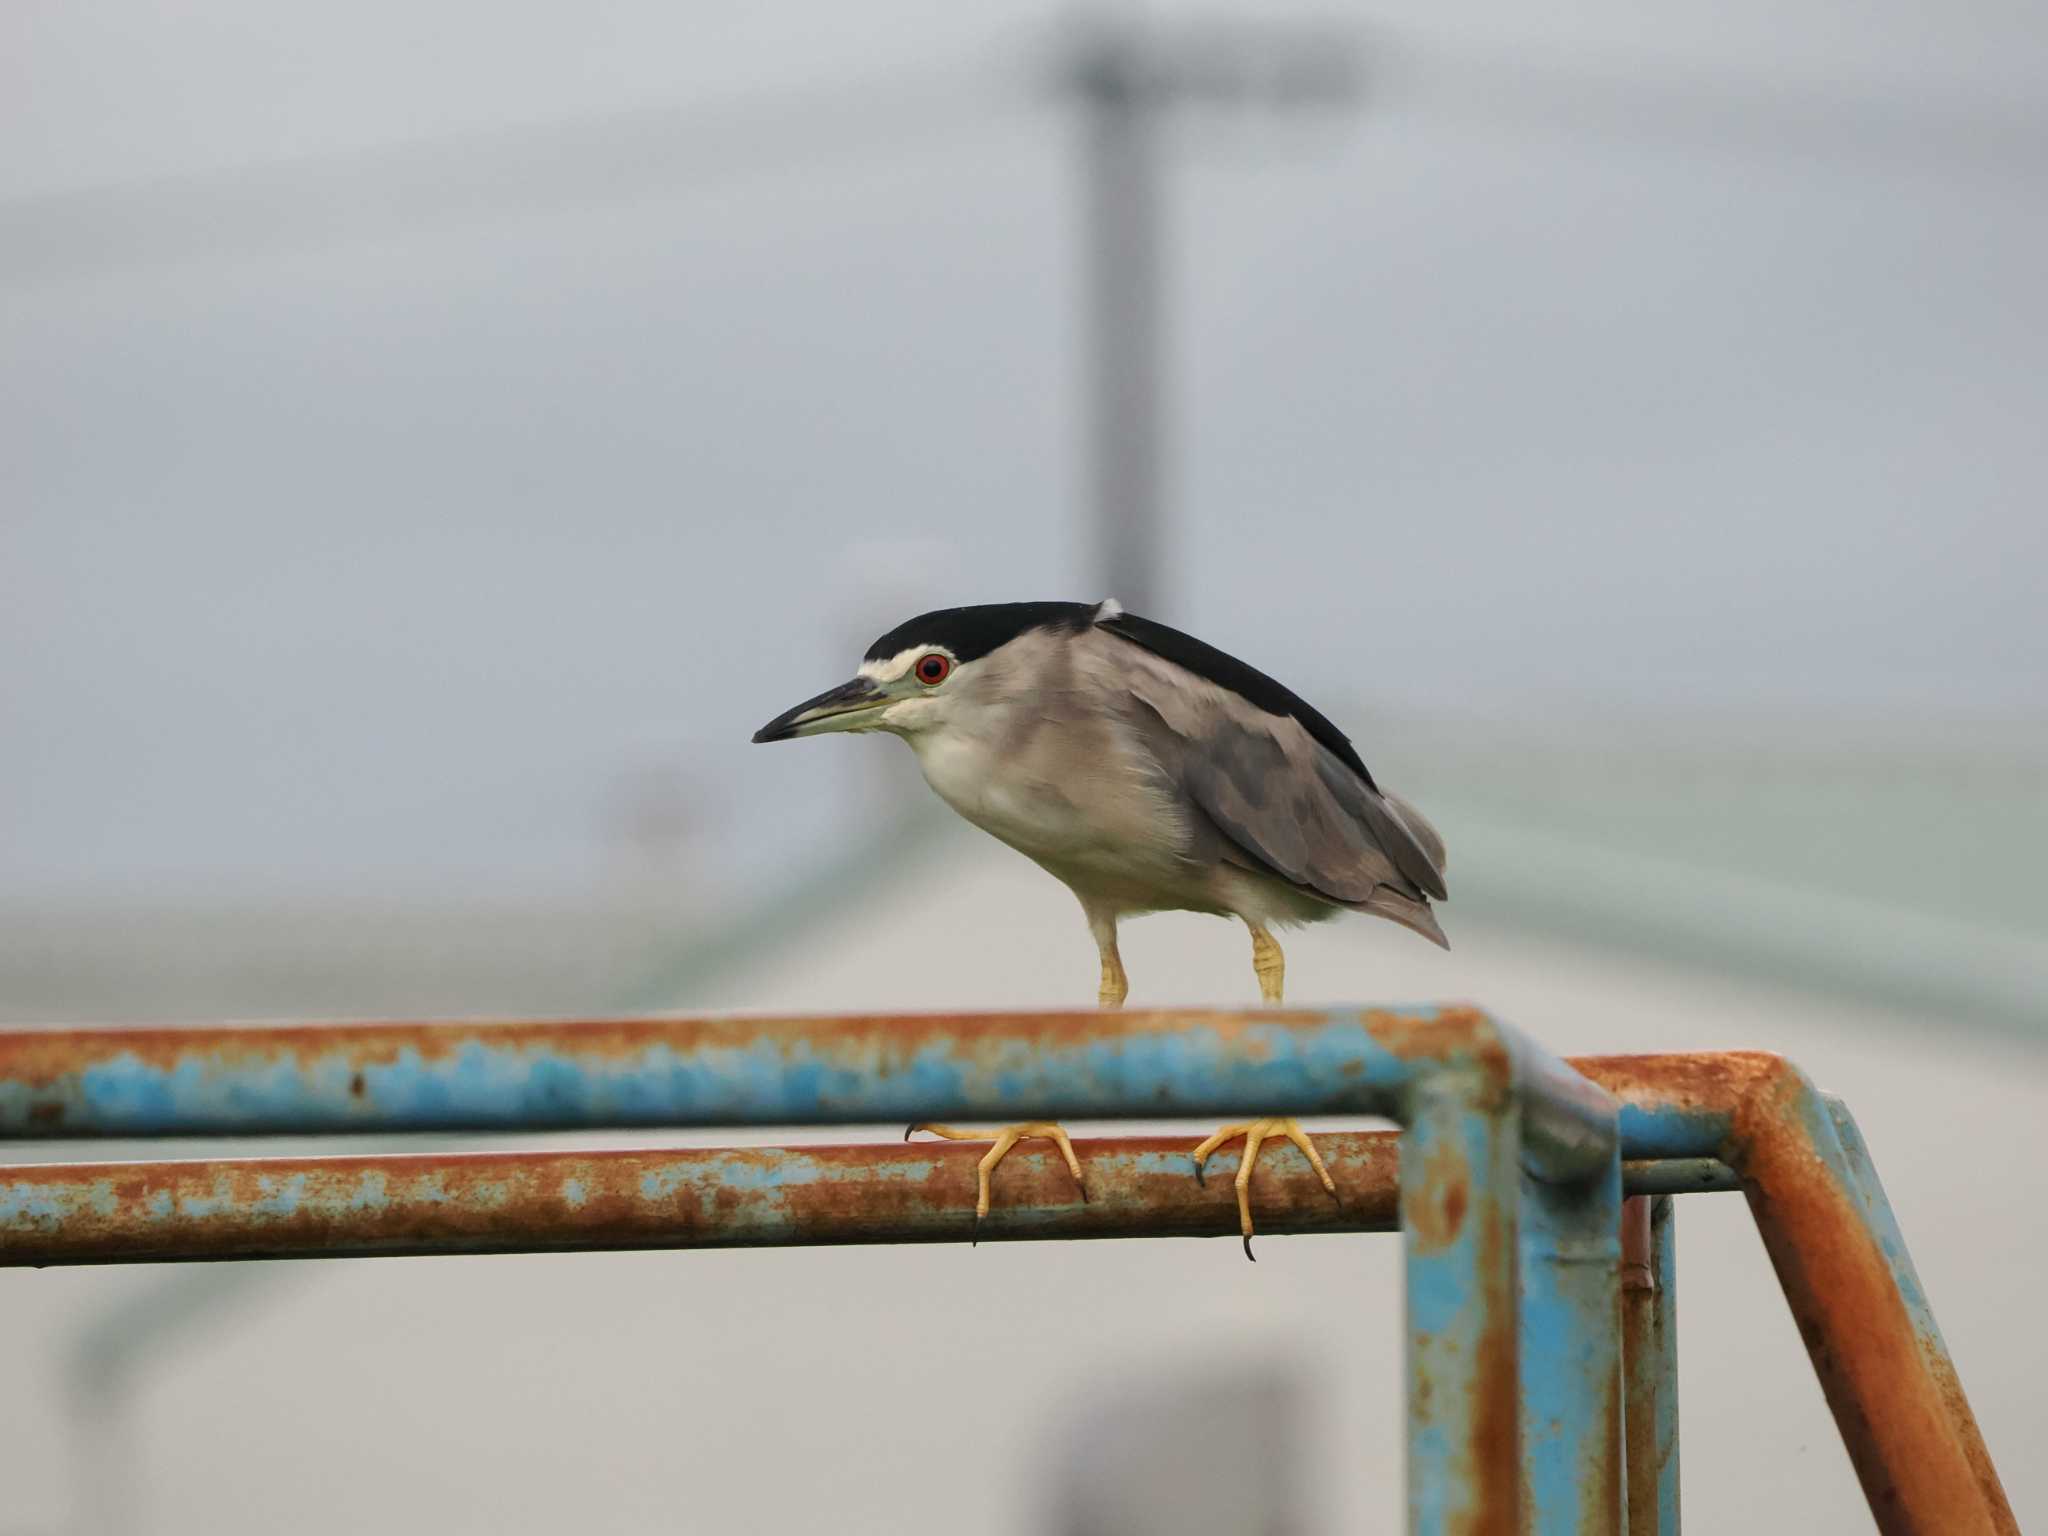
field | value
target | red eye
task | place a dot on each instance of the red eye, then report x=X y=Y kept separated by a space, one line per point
x=932 y=669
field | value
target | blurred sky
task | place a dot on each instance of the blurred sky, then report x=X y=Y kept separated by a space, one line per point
x=414 y=422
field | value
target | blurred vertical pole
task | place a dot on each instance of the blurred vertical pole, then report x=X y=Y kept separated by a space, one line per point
x=1126 y=76
x=1120 y=180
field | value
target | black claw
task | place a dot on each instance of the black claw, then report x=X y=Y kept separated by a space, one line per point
x=1084 y=1190
x=907 y=1130
x=975 y=1240
x=1201 y=1172
x=1248 y=1250
x=1339 y=1199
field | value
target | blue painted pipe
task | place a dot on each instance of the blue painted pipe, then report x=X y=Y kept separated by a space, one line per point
x=567 y=1075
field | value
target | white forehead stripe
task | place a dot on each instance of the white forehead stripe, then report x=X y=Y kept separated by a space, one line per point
x=898 y=665
x=1109 y=608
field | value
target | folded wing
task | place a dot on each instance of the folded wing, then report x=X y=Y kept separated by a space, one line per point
x=1285 y=800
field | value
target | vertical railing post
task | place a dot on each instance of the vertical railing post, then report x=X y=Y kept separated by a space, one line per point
x=1459 y=1190
x=1849 y=1281
x=1571 y=1355
x=1649 y=1301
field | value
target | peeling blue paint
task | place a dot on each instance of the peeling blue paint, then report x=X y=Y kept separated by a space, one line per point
x=29 y=1205
x=1664 y=1130
x=794 y=1072
x=1570 y=1254
x=660 y=1183
x=1460 y=1293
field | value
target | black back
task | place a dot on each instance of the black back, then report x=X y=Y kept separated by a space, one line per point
x=1240 y=678
x=971 y=633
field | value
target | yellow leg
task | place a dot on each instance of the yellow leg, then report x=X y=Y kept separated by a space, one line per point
x=1116 y=986
x=1005 y=1138
x=1271 y=966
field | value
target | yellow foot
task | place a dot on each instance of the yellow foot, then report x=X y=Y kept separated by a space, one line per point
x=1254 y=1132
x=1005 y=1138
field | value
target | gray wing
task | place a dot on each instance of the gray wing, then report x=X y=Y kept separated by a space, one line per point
x=1281 y=798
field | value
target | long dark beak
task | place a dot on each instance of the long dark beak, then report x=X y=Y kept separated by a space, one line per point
x=845 y=708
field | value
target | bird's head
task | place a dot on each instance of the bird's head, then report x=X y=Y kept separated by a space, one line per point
x=922 y=673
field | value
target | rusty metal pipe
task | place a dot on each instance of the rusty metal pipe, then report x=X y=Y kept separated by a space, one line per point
x=1573 y=1456
x=1823 y=1217
x=1845 y=1272
x=570 y=1074
x=524 y=1202
x=1455 y=1077
x=582 y=1074
x=1678 y=1176
x=1568 y=1121
x=502 y=1202
x=1460 y=1181
x=1649 y=1303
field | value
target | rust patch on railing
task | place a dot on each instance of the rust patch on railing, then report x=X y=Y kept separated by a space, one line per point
x=483 y=1202
x=1710 y=1082
x=1437 y=1210
x=1601 y=1479
x=1428 y=1037
x=45 y=1055
x=1908 y=1429
x=1638 y=1266
x=1496 y=1449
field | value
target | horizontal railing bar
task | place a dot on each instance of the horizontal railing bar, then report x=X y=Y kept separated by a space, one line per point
x=1677 y=1176
x=749 y=1070
x=539 y=1201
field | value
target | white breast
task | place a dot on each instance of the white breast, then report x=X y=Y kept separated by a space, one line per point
x=1002 y=797
x=1075 y=807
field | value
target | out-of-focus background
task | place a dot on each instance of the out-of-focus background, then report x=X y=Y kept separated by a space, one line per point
x=433 y=438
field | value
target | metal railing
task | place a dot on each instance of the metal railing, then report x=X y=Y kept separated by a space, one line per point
x=1534 y=1196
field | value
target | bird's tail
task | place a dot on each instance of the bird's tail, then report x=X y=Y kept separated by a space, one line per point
x=1408 y=911
x=1426 y=835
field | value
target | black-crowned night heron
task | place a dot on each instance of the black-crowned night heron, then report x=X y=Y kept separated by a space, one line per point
x=1151 y=773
